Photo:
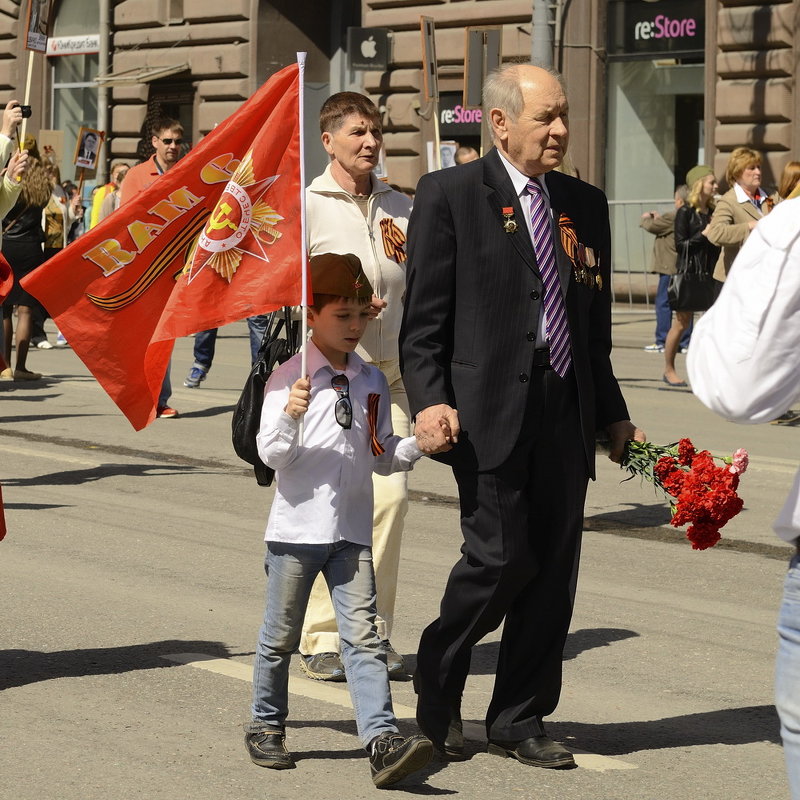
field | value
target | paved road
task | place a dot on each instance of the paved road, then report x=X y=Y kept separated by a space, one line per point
x=134 y=588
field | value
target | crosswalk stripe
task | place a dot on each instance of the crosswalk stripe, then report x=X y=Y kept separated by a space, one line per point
x=329 y=693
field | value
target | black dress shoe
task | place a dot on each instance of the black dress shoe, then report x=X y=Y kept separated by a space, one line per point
x=536 y=751
x=441 y=723
x=452 y=746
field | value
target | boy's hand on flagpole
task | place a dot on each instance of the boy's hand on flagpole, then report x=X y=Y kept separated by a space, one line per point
x=299 y=398
x=12 y=118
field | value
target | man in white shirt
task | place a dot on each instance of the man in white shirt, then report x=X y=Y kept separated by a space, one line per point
x=744 y=364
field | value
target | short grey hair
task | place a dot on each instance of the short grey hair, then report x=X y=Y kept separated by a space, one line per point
x=501 y=89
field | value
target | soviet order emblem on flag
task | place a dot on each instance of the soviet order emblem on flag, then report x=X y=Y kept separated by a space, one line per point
x=215 y=239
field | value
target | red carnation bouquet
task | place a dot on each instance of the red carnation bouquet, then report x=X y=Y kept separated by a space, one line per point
x=702 y=493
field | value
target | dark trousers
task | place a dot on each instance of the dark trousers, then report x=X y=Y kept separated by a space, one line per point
x=522 y=526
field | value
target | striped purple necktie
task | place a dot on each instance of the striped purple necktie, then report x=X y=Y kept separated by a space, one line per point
x=555 y=311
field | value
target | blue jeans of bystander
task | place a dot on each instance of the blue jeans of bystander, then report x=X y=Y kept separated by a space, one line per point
x=205 y=343
x=347 y=568
x=664 y=315
x=256 y=325
x=787 y=675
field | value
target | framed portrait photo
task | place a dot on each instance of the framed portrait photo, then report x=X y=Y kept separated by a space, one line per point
x=88 y=147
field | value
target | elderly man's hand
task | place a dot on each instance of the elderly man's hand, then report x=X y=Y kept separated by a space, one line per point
x=376 y=306
x=437 y=429
x=619 y=433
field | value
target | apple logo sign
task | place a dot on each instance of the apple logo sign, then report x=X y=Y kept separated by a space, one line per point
x=368 y=48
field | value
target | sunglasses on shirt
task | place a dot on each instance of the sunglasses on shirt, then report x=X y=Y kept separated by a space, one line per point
x=170 y=141
x=343 y=409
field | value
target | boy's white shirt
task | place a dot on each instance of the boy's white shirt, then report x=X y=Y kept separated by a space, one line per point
x=324 y=488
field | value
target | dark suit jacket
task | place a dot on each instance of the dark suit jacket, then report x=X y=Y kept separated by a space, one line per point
x=472 y=307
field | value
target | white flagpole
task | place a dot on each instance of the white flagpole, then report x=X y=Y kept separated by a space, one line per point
x=301 y=62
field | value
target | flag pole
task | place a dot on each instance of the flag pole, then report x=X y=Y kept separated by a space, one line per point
x=27 y=100
x=301 y=62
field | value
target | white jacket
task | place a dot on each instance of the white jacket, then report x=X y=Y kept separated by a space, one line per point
x=744 y=362
x=335 y=224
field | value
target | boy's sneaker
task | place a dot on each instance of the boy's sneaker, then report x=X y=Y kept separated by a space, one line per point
x=394 y=663
x=394 y=758
x=323 y=667
x=654 y=348
x=61 y=340
x=195 y=376
x=165 y=412
x=44 y=345
x=268 y=749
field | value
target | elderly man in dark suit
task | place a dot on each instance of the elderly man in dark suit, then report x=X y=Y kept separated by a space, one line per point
x=506 y=344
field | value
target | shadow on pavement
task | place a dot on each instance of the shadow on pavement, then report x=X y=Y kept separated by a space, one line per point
x=484 y=654
x=80 y=476
x=636 y=515
x=47 y=417
x=21 y=667
x=726 y=726
x=214 y=411
x=33 y=506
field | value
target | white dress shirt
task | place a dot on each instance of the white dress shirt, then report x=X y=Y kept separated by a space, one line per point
x=744 y=362
x=324 y=488
x=520 y=181
x=743 y=197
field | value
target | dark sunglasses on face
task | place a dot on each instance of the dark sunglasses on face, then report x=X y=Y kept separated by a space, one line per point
x=170 y=141
x=343 y=410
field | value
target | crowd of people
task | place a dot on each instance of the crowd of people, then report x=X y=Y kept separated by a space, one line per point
x=41 y=215
x=482 y=314
x=704 y=234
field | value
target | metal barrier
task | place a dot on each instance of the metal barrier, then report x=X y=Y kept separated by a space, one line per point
x=632 y=283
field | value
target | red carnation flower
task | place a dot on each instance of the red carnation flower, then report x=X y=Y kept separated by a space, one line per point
x=703 y=495
x=703 y=535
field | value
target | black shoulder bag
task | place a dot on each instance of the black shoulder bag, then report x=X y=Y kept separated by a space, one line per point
x=247 y=414
x=691 y=288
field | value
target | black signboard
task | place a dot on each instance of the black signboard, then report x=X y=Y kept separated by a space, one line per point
x=664 y=28
x=455 y=120
x=368 y=48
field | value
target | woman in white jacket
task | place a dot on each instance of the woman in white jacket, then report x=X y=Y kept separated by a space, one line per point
x=349 y=210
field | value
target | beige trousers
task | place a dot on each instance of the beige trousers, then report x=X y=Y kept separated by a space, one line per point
x=391 y=504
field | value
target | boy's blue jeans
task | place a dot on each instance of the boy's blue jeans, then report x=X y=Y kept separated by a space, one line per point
x=347 y=569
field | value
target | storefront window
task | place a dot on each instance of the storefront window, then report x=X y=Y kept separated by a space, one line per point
x=74 y=92
x=655 y=113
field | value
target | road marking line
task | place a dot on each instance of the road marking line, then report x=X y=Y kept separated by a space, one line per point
x=328 y=693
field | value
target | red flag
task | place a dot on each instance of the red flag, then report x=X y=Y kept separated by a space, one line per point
x=213 y=240
x=6 y=278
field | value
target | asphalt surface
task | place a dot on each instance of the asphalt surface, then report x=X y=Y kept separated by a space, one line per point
x=133 y=585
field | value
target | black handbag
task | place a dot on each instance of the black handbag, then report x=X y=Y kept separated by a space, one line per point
x=247 y=413
x=691 y=288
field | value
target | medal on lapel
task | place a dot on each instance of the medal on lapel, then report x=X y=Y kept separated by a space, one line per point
x=583 y=258
x=509 y=223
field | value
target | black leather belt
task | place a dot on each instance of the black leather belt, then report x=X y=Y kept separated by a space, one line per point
x=541 y=358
